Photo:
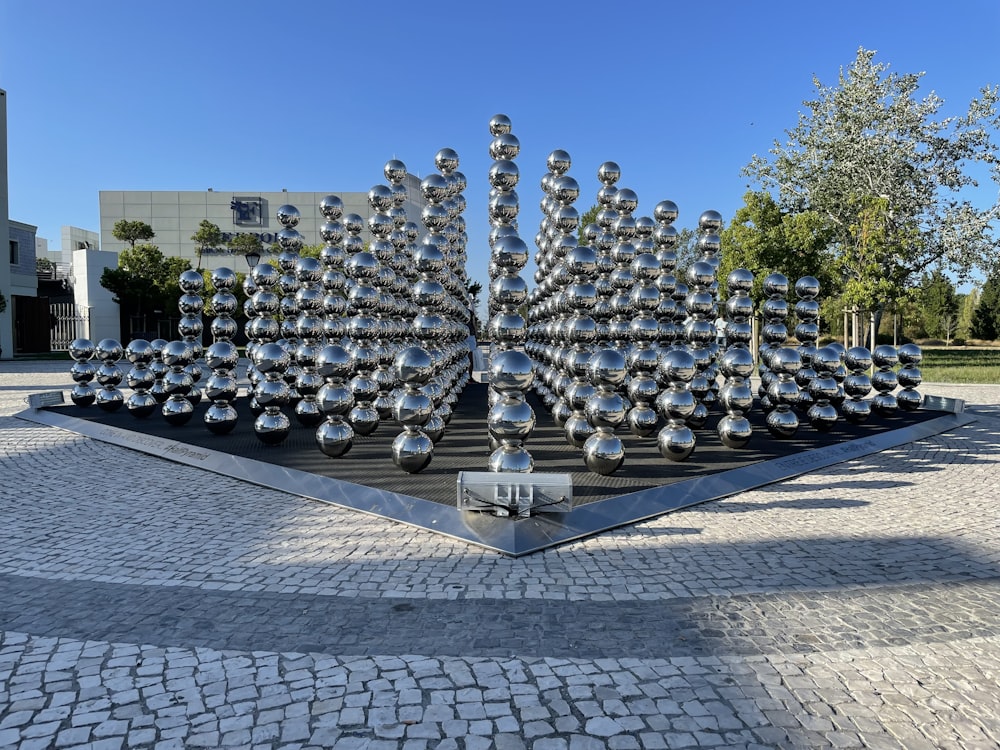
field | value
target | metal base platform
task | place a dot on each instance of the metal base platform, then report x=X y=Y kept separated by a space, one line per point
x=365 y=479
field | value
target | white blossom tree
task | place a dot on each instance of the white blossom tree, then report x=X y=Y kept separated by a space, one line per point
x=897 y=185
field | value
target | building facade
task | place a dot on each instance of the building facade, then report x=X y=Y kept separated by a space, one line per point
x=176 y=215
x=7 y=313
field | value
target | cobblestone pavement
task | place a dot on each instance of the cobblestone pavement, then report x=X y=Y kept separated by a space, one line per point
x=147 y=604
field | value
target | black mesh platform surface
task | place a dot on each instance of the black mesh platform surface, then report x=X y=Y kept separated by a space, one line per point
x=366 y=478
x=464 y=447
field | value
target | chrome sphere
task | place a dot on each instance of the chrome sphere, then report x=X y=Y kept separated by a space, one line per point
x=335 y=438
x=858 y=358
x=413 y=365
x=139 y=351
x=739 y=280
x=82 y=350
x=434 y=427
x=363 y=418
x=675 y=441
x=607 y=367
x=676 y=403
x=677 y=365
x=511 y=458
x=288 y=216
x=221 y=387
x=191 y=281
x=511 y=370
x=108 y=350
x=807 y=287
x=885 y=404
x=775 y=284
x=734 y=431
x=737 y=362
x=511 y=419
x=222 y=355
x=665 y=213
x=446 y=160
x=884 y=381
x=822 y=416
x=140 y=378
x=909 y=377
x=910 y=354
x=140 y=405
x=606 y=409
x=220 y=419
x=500 y=124
x=856 y=411
x=710 y=221
x=505 y=146
x=609 y=173
x=270 y=357
x=782 y=423
x=177 y=411
x=577 y=429
x=412 y=408
x=332 y=207
x=83 y=394
x=272 y=427
x=909 y=399
x=603 y=453
x=885 y=355
x=335 y=399
x=412 y=451
x=642 y=420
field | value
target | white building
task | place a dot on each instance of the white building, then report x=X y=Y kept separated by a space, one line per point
x=7 y=316
x=176 y=215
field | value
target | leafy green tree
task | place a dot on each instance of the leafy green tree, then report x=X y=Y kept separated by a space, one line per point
x=44 y=265
x=311 y=251
x=244 y=243
x=132 y=232
x=938 y=305
x=144 y=280
x=890 y=178
x=765 y=239
x=966 y=311
x=986 y=320
x=208 y=236
x=590 y=217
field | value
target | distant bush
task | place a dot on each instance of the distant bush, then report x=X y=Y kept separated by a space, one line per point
x=958 y=342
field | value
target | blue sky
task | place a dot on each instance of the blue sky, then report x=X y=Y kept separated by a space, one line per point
x=316 y=96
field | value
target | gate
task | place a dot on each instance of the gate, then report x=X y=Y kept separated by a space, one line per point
x=70 y=323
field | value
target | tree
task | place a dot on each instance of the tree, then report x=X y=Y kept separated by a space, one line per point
x=132 y=231
x=590 y=217
x=986 y=321
x=765 y=239
x=474 y=288
x=208 y=236
x=144 y=280
x=938 y=305
x=244 y=243
x=891 y=180
x=967 y=310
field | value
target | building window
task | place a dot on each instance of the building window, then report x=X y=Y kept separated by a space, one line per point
x=14 y=254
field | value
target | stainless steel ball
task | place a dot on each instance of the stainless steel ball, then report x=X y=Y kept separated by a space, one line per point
x=177 y=411
x=603 y=453
x=675 y=441
x=412 y=451
x=220 y=418
x=272 y=427
x=734 y=431
x=499 y=124
x=782 y=423
x=288 y=216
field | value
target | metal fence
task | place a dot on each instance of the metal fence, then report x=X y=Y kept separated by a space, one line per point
x=69 y=322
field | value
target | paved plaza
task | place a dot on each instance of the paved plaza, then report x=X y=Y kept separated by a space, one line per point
x=146 y=604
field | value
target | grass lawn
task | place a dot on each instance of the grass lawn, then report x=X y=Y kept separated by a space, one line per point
x=952 y=365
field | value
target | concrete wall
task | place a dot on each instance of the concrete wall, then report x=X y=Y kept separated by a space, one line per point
x=102 y=311
x=175 y=216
